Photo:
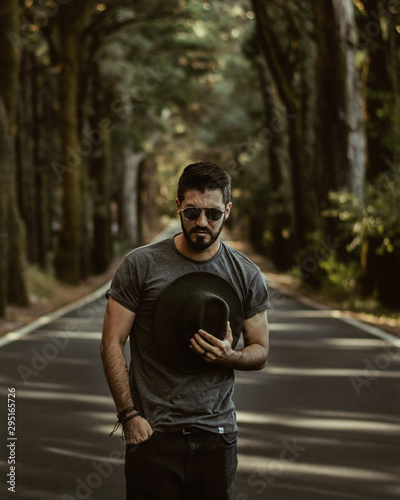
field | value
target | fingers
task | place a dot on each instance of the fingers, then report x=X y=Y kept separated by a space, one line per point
x=229 y=335
x=137 y=430
x=199 y=345
x=211 y=348
x=203 y=348
x=202 y=334
x=205 y=344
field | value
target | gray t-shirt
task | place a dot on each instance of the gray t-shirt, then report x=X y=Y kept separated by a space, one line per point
x=168 y=399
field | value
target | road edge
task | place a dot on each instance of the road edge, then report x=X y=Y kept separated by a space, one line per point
x=335 y=313
x=341 y=315
x=47 y=318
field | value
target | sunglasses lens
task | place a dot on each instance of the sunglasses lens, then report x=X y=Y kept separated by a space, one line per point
x=213 y=214
x=191 y=213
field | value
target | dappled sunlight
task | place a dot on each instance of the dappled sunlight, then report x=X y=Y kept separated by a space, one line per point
x=335 y=343
x=292 y=327
x=287 y=371
x=350 y=414
x=67 y=441
x=79 y=335
x=324 y=423
x=47 y=386
x=253 y=463
x=104 y=430
x=83 y=335
x=252 y=378
x=306 y=313
x=85 y=456
x=60 y=360
x=92 y=416
x=70 y=396
x=259 y=439
x=72 y=320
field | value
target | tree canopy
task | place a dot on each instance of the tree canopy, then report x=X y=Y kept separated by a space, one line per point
x=103 y=103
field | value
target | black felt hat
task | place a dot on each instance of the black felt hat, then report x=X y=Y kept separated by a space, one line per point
x=195 y=301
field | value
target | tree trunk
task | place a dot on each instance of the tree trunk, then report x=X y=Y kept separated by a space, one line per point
x=24 y=147
x=12 y=230
x=279 y=220
x=281 y=73
x=99 y=166
x=131 y=162
x=5 y=176
x=378 y=35
x=68 y=256
x=149 y=218
x=340 y=122
x=44 y=147
x=12 y=243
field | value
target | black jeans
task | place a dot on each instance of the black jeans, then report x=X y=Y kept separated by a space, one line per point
x=176 y=466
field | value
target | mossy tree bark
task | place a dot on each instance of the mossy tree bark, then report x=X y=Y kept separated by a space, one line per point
x=12 y=232
x=378 y=36
x=26 y=173
x=340 y=122
x=99 y=135
x=281 y=69
x=68 y=256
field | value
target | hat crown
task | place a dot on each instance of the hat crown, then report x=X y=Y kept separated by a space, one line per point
x=193 y=301
x=202 y=310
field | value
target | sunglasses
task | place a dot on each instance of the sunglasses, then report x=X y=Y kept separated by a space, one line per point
x=193 y=213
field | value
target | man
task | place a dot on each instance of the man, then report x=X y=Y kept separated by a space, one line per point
x=180 y=424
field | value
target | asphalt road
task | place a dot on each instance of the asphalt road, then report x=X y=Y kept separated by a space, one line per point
x=321 y=422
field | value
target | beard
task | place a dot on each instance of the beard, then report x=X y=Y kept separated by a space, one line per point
x=200 y=241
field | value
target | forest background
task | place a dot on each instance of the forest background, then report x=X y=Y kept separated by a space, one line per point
x=103 y=103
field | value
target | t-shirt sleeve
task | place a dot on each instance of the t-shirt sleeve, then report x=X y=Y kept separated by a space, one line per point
x=257 y=297
x=125 y=286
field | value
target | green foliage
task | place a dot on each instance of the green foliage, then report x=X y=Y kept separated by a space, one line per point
x=377 y=216
x=371 y=228
x=342 y=278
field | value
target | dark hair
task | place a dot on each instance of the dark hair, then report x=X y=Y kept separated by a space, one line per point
x=204 y=176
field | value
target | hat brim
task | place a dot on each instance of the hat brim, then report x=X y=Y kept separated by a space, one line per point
x=177 y=354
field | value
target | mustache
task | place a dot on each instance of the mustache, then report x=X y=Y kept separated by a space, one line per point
x=198 y=229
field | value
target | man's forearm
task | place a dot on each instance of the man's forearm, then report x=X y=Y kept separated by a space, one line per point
x=117 y=376
x=251 y=357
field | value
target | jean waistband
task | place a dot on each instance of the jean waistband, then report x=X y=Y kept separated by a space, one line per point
x=191 y=430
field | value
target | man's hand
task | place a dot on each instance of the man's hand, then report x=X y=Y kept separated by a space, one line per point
x=137 y=430
x=253 y=356
x=214 y=351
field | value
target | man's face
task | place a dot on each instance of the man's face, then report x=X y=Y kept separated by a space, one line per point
x=202 y=233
